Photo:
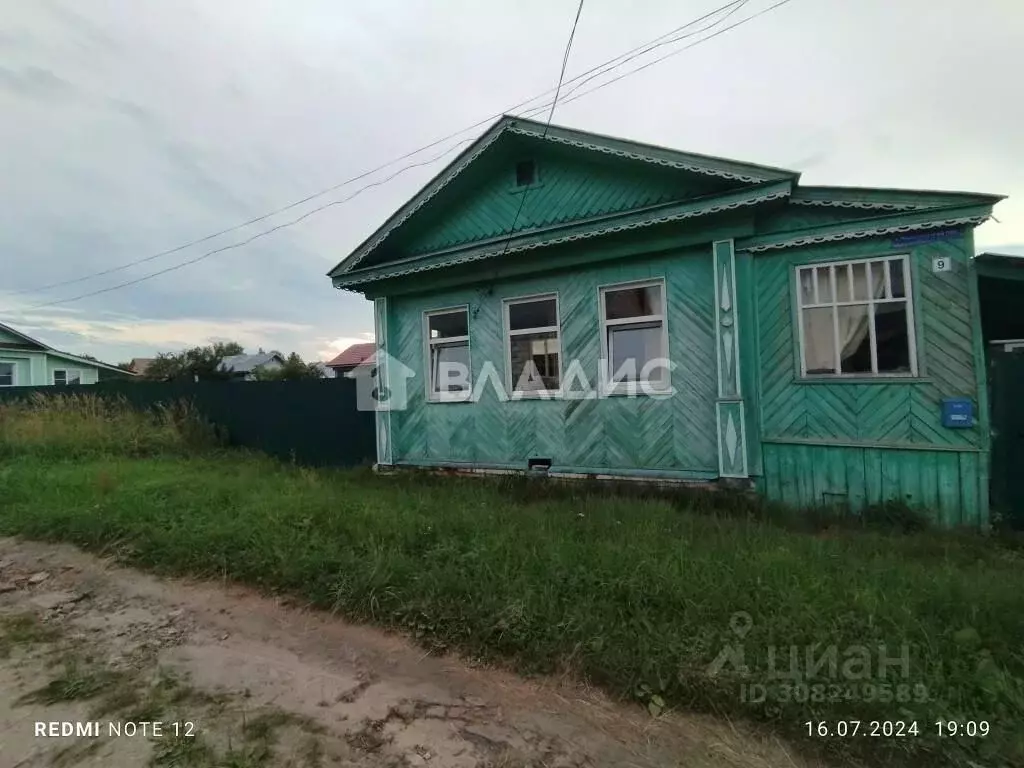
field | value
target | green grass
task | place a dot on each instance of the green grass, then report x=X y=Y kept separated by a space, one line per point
x=78 y=681
x=182 y=752
x=638 y=595
x=22 y=630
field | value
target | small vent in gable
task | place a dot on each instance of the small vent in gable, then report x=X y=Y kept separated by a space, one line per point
x=526 y=173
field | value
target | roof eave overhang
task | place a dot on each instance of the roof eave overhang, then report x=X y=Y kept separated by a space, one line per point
x=1002 y=266
x=87 y=361
x=705 y=165
x=883 y=199
x=891 y=224
x=40 y=347
x=746 y=198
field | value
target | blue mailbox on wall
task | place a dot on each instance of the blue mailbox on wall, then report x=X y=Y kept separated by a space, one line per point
x=957 y=412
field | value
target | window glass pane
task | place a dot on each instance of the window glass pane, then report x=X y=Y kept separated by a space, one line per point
x=896 y=282
x=843 y=283
x=819 y=341
x=534 y=362
x=824 y=284
x=60 y=377
x=525 y=173
x=806 y=286
x=854 y=339
x=449 y=324
x=631 y=348
x=73 y=377
x=532 y=314
x=623 y=303
x=877 y=279
x=6 y=374
x=892 y=337
x=449 y=367
x=860 y=281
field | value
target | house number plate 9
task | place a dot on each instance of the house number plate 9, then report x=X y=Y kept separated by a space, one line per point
x=942 y=264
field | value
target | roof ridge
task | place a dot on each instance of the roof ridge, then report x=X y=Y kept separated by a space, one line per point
x=710 y=165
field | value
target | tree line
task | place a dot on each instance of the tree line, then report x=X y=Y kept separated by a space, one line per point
x=206 y=363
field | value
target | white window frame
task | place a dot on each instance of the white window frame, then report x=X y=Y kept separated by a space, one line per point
x=907 y=299
x=608 y=387
x=429 y=344
x=509 y=333
x=67 y=373
x=14 y=373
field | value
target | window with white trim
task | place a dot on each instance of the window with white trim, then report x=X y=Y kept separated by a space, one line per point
x=634 y=340
x=66 y=376
x=6 y=374
x=856 y=318
x=448 y=374
x=533 y=345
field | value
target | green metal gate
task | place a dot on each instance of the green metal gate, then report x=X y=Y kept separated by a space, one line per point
x=1006 y=379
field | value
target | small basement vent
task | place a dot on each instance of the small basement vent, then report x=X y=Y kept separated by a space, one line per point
x=538 y=466
x=526 y=173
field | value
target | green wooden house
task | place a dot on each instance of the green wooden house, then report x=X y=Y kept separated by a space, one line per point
x=591 y=306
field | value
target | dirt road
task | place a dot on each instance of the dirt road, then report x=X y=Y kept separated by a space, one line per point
x=239 y=680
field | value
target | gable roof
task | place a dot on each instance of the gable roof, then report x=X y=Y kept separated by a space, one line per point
x=830 y=213
x=28 y=340
x=357 y=354
x=747 y=173
x=246 y=363
x=57 y=353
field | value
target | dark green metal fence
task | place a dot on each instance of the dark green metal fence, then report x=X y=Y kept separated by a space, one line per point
x=313 y=422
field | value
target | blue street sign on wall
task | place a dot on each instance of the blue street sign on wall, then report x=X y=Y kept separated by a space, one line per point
x=924 y=237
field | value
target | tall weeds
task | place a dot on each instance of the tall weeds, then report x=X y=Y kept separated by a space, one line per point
x=82 y=425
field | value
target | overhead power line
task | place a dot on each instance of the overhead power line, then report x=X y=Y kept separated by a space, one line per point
x=644 y=50
x=603 y=67
x=675 y=52
x=318 y=209
x=248 y=240
x=547 y=124
x=565 y=63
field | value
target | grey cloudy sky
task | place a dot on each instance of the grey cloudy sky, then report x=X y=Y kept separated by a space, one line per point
x=127 y=128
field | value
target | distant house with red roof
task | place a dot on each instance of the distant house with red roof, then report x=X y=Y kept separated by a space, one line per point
x=356 y=356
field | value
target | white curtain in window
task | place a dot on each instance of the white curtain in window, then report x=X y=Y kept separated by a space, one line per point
x=819 y=341
x=853 y=326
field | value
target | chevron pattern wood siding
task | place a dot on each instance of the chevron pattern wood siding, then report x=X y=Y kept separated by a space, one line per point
x=675 y=434
x=865 y=443
x=569 y=188
x=892 y=412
